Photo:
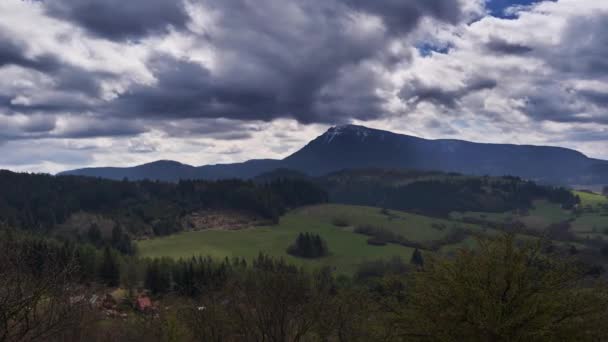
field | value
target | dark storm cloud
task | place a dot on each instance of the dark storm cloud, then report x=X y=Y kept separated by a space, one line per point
x=503 y=47
x=297 y=60
x=121 y=19
x=416 y=92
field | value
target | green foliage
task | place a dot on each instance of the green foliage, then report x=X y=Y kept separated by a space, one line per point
x=503 y=293
x=378 y=269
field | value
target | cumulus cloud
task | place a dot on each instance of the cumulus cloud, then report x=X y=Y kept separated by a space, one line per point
x=230 y=80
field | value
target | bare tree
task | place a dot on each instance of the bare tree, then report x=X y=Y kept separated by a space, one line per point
x=36 y=299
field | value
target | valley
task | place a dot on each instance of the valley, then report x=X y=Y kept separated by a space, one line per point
x=153 y=259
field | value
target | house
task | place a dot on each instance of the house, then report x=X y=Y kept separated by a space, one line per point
x=143 y=303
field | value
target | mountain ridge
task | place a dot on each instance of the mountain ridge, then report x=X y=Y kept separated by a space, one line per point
x=353 y=146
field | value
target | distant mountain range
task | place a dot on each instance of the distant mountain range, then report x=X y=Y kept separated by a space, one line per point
x=354 y=147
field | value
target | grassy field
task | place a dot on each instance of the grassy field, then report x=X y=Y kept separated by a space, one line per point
x=590 y=224
x=347 y=248
x=540 y=216
x=544 y=214
x=414 y=227
x=591 y=199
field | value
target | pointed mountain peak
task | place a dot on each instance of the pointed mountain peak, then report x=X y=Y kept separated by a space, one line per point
x=348 y=130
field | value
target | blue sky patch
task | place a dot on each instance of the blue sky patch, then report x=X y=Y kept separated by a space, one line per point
x=497 y=7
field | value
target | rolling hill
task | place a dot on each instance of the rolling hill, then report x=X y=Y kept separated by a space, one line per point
x=350 y=147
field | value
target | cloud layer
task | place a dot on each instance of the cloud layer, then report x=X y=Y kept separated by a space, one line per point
x=98 y=82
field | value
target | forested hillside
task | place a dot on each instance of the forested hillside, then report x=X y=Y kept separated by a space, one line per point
x=437 y=193
x=44 y=203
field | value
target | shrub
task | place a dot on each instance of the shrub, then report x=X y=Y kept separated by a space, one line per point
x=382 y=234
x=340 y=222
x=376 y=241
x=380 y=268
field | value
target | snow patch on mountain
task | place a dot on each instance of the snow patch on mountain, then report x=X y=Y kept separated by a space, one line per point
x=362 y=132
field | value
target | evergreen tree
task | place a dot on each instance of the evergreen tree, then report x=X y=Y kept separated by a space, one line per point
x=417 y=258
x=94 y=235
x=110 y=269
x=308 y=245
x=116 y=235
x=158 y=277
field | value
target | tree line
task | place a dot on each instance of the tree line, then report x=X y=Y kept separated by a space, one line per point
x=446 y=193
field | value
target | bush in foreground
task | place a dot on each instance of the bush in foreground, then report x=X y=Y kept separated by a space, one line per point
x=500 y=292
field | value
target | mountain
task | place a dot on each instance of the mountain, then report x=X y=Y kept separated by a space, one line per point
x=351 y=146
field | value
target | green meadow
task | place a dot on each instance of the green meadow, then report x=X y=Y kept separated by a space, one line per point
x=591 y=199
x=347 y=249
x=336 y=224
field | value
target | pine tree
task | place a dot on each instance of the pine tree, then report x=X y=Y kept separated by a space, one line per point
x=417 y=258
x=110 y=269
x=116 y=235
x=94 y=234
x=308 y=245
x=158 y=277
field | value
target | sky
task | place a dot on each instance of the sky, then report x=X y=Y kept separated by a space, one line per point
x=121 y=83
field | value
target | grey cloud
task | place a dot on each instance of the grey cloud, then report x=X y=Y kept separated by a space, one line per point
x=402 y=16
x=231 y=150
x=97 y=127
x=207 y=128
x=547 y=100
x=119 y=19
x=417 y=92
x=597 y=97
x=583 y=47
x=503 y=47
x=17 y=153
x=140 y=146
x=33 y=126
x=13 y=52
x=439 y=126
x=39 y=124
x=46 y=127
